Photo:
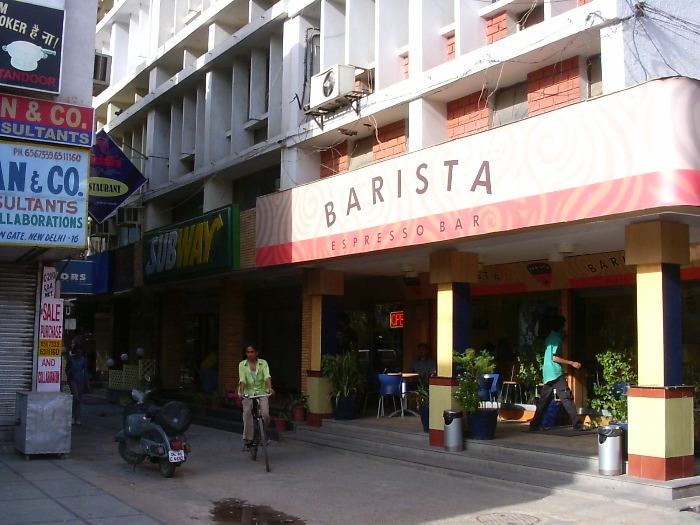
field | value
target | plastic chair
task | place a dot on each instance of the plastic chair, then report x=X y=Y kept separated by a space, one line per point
x=389 y=385
x=488 y=387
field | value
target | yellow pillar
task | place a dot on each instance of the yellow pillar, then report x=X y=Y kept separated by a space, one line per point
x=317 y=284
x=660 y=439
x=451 y=271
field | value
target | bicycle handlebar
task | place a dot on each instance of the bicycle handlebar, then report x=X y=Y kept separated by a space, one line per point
x=256 y=396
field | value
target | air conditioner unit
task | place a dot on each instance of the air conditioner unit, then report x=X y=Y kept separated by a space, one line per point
x=104 y=229
x=128 y=216
x=330 y=87
x=100 y=72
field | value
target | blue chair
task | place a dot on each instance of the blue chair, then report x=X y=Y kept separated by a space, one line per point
x=488 y=387
x=389 y=385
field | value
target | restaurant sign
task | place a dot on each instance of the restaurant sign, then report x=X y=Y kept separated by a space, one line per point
x=200 y=246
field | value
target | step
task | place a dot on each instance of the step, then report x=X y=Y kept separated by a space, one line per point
x=552 y=470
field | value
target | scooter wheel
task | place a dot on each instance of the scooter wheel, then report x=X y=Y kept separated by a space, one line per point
x=129 y=456
x=167 y=469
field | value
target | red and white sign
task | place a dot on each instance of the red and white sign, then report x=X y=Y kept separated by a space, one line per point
x=48 y=370
x=45 y=121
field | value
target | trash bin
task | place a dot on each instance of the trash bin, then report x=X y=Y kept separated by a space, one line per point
x=610 y=450
x=454 y=435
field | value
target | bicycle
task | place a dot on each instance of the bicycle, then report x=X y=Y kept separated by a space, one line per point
x=259 y=434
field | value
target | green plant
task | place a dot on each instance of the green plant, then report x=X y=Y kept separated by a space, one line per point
x=472 y=364
x=609 y=395
x=342 y=373
x=422 y=392
x=530 y=368
x=298 y=400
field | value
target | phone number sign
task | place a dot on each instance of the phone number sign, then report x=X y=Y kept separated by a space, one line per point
x=43 y=195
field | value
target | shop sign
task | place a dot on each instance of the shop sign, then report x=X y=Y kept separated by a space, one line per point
x=48 y=375
x=43 y=195
x=45 y=121
x=76 y=277
x=31 y=46
x=600 y=158
x=113 y=177
x=204 y=245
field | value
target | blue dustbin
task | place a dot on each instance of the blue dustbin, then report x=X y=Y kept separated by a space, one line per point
x=454 y=433
x=610 y=450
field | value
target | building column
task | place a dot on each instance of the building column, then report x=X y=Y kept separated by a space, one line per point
x=231 y=333
x=452 y=272
x=320 y=291
x=660 y=439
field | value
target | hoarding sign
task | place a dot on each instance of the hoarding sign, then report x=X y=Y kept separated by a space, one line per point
x=31 y=46
x=48 y=376
x=45 y=121
x=199 y=246
x=43 y=195
x=113 y=177
x=76 y=277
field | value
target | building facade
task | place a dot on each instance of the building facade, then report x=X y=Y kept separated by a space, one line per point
x=46 y=130
x=376 y=173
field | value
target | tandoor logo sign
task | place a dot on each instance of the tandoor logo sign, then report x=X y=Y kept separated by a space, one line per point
x=207 y=244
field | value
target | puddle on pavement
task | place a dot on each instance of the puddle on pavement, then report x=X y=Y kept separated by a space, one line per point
x=239 y=512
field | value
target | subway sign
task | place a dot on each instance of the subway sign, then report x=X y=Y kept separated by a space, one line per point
x=200 y=246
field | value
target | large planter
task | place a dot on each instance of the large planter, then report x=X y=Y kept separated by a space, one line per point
x=482 y=423
x=299 y=414
x=344 y=407
x=424 y=411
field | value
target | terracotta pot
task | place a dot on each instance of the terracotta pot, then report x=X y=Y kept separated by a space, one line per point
x=299 y=414
x=280 y=425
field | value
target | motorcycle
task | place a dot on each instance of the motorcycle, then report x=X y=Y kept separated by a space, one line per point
x=153 y=432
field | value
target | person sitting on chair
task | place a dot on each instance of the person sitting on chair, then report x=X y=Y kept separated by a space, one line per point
x=423 y=365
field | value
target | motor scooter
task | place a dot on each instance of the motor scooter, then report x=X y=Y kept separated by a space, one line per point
x=153 y=432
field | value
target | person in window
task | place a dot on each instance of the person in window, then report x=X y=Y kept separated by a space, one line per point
x=554 y=379
x=254 y=379
x=423 y=365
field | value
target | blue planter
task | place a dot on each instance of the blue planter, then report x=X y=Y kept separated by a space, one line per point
x=482 y=423
x=425 y=417
x=344 y=407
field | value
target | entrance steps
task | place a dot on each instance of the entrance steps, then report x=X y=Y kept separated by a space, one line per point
x=502 y=460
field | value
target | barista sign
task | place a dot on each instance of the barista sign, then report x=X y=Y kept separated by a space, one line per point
x=48 y=373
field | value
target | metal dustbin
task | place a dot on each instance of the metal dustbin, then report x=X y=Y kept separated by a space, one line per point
x=609 y=450
x=454 y=435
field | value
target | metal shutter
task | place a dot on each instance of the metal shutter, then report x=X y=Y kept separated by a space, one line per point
x=17 y=303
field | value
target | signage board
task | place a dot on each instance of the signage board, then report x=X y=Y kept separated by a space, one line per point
x=31 y=46
x=48 y=376
x=43 y=195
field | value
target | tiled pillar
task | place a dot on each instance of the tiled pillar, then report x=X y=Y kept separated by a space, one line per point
x=451 y=271
x=231 y=329
x=321 y=288
x=660 y=439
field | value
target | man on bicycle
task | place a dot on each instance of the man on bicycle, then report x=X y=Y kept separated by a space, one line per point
x=254 y=379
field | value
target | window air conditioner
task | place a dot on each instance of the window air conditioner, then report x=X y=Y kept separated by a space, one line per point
x=104 y=229
x=100 y=73
x=128 y=216
x=328 y=88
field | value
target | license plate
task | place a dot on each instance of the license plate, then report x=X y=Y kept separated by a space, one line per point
x=176 y=456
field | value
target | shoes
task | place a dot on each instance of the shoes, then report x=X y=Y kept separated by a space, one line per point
x=76 y=422
x=247 y=444
x=536 y=428
x=581 y=427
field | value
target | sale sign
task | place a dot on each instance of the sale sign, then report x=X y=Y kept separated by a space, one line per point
x=48 y=373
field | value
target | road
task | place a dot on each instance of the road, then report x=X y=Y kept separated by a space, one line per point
x=321 y=486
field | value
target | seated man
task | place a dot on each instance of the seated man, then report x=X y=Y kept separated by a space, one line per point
x=423 y=365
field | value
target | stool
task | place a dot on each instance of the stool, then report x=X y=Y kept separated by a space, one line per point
x=517 y=392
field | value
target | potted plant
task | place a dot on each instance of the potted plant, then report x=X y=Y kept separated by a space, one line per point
x=298 y=406
x=200 y=399
x=422 y=392
x=281 y=422
x=471 y=365
x=342 y=373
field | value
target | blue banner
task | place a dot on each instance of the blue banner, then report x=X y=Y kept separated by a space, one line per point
x=76 y=277
x=113 y=178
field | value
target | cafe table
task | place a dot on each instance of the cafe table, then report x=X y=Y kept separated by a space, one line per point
x=405 y=376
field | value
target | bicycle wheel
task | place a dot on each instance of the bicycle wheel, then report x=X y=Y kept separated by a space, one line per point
x=263 y=441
